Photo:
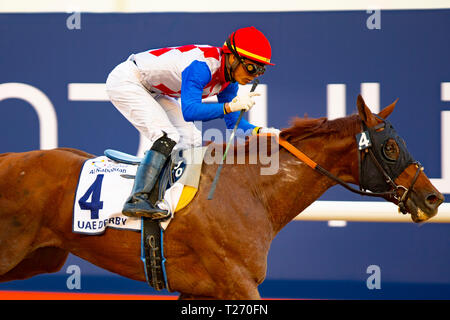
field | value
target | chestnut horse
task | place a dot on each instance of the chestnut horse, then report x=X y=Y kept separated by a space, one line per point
x=213 y=248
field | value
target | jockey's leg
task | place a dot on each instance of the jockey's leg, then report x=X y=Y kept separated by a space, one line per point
x=147 y=173
x=190 y=136
x=139 y=107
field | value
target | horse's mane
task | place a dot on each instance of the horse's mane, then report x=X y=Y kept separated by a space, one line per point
x=302 y=128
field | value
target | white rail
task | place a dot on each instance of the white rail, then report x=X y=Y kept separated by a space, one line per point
x=214 y=6
x=366 y=211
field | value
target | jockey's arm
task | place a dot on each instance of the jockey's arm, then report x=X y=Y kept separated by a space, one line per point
x=194 y=78
x=230 y=119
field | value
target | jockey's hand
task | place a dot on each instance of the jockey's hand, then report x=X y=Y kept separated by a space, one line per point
x=273 y=131
x=243 y=102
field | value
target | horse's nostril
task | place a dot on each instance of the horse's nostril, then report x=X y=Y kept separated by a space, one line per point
x=434 y=200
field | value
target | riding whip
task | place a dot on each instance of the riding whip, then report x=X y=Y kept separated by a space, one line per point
x=219 y=169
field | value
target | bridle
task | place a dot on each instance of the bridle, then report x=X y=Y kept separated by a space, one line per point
x=371 y=160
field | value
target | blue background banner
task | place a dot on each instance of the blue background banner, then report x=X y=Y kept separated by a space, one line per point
x=408 y=56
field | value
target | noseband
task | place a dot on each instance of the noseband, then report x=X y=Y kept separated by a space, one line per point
x=377 y=172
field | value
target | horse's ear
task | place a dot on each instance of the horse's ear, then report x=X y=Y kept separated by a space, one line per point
x=388 y=110
x=364 y=112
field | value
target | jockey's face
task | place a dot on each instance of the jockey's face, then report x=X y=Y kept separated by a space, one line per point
x=240 y=74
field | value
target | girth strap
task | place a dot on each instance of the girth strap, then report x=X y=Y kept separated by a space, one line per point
x=152 y=253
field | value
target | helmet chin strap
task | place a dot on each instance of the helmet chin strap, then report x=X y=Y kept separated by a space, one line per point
x=230 y=68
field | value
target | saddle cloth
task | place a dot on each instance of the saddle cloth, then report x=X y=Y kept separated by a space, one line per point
x=104 y=185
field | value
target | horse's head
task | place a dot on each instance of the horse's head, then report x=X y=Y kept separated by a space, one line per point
x=387 y=166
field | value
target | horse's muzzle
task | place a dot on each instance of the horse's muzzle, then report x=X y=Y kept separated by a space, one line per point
x=424 y=207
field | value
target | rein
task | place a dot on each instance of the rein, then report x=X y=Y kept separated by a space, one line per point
x=310 y=163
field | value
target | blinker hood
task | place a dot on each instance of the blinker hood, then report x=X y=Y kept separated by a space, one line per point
x=370 y=177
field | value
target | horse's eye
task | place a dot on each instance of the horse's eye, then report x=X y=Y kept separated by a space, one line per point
x=391 y=150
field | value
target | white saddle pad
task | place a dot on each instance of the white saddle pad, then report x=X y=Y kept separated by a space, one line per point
x=103 y=188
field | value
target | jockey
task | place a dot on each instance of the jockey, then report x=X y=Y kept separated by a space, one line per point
x=146 y=86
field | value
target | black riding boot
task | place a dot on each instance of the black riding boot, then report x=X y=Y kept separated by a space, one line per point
x=138 y=204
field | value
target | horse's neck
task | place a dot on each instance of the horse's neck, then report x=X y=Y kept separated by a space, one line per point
x=296 y=186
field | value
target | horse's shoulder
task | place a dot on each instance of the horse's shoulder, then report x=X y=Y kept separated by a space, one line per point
x=76 y=152
x=5 y=154
x=56 y=153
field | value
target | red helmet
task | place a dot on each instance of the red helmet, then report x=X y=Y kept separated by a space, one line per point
x=249 y=43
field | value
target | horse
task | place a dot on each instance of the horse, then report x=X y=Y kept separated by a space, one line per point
x=214 y=249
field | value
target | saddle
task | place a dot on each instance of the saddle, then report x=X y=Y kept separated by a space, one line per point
x=173 y=171
x=165 y=179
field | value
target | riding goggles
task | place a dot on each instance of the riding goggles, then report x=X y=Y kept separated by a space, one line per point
x=253 y=68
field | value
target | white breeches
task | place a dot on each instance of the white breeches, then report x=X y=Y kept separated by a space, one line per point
x=149 y=113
